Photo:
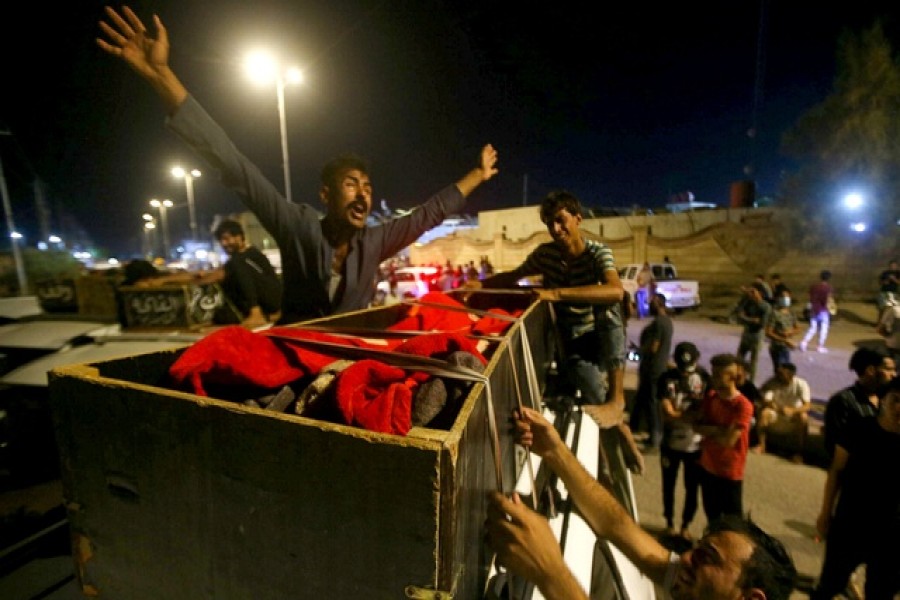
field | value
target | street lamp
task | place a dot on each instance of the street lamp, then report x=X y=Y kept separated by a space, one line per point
x=162 y=206
x=149 y=230
x=263 y=69
x=189 y=177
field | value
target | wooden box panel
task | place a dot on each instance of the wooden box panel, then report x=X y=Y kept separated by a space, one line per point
x=172 y=495
x=170 y=306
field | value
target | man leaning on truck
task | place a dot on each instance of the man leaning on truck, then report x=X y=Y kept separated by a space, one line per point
x=580 y=279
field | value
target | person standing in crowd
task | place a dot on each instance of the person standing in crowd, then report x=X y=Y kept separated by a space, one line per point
x=655 y=347
x=581 y=282
x=889 y=285
x=682 y=389
x=781 y=327
x=819 y=318
x=252 y=288
x=860 y=515
x=724 y=423
x=845 y=408
x=764 y=287
x=778 y=287
x=889 y=328
x=645 y=283
x=734 y=559
x=753 y=317
x=347 y=252
x=786 y=403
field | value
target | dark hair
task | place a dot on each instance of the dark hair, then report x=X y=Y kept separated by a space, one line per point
x=893 y=385
x=724 y=360
x=789 y=366
x=770 y=567
x=229 y=226
x=685 y=348
x=825 y=275
x=555 y=201
x=138 y=269
x=864 y=358
x=339 y=165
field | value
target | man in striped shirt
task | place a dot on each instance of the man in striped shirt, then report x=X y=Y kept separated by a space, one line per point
x=580 y=279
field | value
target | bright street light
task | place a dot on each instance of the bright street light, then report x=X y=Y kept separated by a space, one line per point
x=263 y=69
x=162 y=206
x=853 y=200
x=189 y=177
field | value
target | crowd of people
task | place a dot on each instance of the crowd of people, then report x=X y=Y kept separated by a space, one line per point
x=701 y=421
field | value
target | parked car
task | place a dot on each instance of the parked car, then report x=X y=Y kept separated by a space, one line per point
x=679 y=293
x=412 y=282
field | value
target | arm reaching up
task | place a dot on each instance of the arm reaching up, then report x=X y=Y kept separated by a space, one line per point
x=128 y=39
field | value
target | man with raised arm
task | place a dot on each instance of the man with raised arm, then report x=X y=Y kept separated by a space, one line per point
x=329 y=263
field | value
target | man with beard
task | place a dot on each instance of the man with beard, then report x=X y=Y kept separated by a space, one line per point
x=329 y=263
x=249 y=281
x=734 y=559
x=850 y=405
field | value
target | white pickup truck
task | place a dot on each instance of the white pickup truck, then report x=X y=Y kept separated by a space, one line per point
x=680 y=293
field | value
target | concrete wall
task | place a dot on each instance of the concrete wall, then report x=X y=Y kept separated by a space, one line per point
x=722 y=248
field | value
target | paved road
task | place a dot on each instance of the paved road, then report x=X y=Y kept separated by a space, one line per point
x=782 y=497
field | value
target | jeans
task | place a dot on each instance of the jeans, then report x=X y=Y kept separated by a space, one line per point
x=780 y=355
x=670 y=461
x=820 y=322
x=591 y=356
x=750 y=343
x=721 y=496
x=646 y=404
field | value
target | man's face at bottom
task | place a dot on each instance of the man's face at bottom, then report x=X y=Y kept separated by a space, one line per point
x=714 y=568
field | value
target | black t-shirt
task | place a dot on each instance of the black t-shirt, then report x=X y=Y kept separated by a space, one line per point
x=250 y=280
x=870 y=487
x=888 y=284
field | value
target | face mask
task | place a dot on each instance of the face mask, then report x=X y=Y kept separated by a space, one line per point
x=784 y=301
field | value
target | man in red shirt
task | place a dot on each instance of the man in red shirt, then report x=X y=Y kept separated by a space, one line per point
x=819 y=315
x=724 y=423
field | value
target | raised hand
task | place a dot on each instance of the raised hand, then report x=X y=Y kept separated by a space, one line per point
x=127 y=38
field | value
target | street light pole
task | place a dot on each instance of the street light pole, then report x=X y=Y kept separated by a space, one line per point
x=163 y=206
x=263 y=68
x=279 y=88
x=14 y=235
x=189 y=186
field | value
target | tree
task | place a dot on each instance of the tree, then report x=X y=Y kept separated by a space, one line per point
x=850 y=139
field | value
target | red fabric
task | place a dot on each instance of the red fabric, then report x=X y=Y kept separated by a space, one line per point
x=375 y=396
x=314 y=360
x=233 y=355
x=426 y=318
x=492 y=326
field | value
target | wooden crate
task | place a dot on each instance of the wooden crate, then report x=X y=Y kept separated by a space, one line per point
x=172 y=495
x=170 y=306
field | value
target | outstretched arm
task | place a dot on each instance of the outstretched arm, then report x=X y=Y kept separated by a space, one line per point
x=128 y=39
x=600 y=509
x=484 y=171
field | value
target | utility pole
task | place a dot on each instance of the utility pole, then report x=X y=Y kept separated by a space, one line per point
x=11 y=232
x=525 y=190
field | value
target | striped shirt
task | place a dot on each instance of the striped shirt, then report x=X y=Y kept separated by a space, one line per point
x=588 y=268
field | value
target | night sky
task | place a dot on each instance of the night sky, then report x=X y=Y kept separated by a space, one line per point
x=622 y=105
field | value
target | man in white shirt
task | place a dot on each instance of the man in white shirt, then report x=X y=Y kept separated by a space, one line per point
x=786 y=404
